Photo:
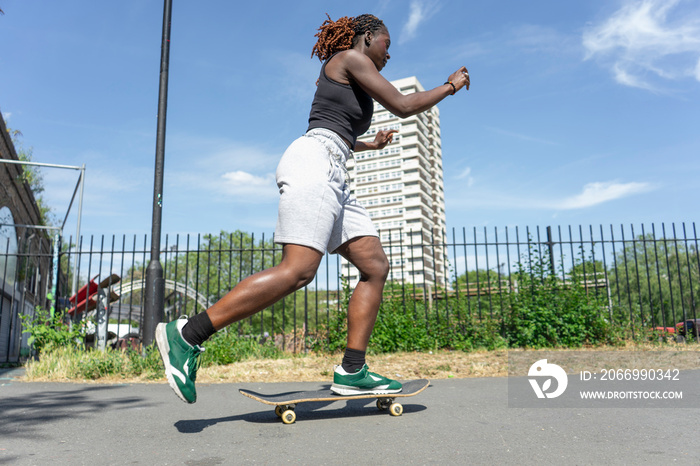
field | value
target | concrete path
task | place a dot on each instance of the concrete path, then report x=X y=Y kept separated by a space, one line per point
x=456 y=421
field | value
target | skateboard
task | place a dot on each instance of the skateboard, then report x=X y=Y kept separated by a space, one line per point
x=285 y=403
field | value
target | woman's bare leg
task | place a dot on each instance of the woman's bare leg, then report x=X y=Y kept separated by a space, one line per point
x=365 y=253
x=263 y=289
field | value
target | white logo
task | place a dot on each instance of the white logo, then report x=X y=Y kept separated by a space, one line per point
x=551 y=371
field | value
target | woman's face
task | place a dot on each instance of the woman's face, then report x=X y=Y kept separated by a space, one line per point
x=378 y=49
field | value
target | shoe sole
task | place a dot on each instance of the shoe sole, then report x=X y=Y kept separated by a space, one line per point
x=164 y=349
x=346 y=390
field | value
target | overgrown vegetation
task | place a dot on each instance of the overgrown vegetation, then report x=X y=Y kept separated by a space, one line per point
x=71 y=363
x=61 y=351
x=48 y=333
x=227 y=347
x=32 y=175
x=550 y=312
x=545 y=312
x=659 y=274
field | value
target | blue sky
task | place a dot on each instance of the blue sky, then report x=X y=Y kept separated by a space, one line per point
x=579 y=112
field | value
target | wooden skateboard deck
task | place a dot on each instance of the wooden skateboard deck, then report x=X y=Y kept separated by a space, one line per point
x=286 y=402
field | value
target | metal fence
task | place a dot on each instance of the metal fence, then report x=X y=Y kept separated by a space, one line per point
x=25 y=269
x=648 y=276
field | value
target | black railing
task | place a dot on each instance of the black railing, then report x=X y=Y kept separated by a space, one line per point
x=648 y=276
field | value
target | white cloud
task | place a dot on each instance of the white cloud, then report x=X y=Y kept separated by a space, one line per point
x=251 y=187
x=222 y=170
x=623 y=77
x=466 y=175
x=239 y=178
x=600 y=192
x=592 y=194
x=648 y=38
x=420 y=11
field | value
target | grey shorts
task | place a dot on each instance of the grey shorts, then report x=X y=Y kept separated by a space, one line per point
x=316 y=208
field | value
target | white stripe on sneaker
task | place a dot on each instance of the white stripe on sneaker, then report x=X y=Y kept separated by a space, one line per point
x=179 y=374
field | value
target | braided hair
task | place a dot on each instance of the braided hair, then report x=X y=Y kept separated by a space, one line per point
x=343 y=34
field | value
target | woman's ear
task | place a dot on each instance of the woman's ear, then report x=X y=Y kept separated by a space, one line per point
x=368 y=38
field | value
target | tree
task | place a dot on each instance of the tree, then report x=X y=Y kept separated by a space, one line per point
x=216 y=264
x=480 y=279
x=33 y=177
x=219 y=262
x=587 y=269
x=657 y=280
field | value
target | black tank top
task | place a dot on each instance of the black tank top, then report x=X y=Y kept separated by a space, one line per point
x=343 y=108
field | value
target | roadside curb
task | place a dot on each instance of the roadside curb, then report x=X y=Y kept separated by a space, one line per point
x=12 y=373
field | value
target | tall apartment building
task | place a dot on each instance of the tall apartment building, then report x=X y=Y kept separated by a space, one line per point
x=402 y=188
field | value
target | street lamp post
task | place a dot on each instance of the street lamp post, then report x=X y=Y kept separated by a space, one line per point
x=155 y=285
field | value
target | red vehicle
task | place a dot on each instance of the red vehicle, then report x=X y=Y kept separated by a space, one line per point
x=663 y=333
x=689 y=328
x=663 y=330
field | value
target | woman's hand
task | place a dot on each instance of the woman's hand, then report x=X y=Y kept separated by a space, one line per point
x=382 y=138
x=460 y=79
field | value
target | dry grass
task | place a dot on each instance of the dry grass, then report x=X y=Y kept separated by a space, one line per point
x=438 y=365
x=319 y=368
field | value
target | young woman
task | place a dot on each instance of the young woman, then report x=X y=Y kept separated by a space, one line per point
x=317 y=212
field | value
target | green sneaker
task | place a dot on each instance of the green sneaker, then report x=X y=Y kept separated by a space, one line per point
x=362 y=382
x=181 y=359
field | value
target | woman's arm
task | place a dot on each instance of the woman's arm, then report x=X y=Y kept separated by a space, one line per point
x=361 y=69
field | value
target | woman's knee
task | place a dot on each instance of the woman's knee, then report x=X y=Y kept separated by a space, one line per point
x=367 y=254
x=304 y=277
x=298 y=266
x=290 y=278
x=384 y=267
x=376 y=268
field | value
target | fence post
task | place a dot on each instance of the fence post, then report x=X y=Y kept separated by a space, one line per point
x=53 y=294
x=550 y=248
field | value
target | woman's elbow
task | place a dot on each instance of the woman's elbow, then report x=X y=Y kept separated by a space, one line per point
x=403 y=111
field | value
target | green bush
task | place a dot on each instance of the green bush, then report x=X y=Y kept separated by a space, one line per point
x=548 y=312
x=398 y=329
x=544 y=312
x=48 y=332
x=148 y=364
x=97 y=364
x=227 y=347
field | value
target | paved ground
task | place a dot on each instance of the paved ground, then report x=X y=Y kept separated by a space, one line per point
x=453 y=421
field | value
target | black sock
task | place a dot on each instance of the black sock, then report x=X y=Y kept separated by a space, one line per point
x=353 y=360
x=198 y=329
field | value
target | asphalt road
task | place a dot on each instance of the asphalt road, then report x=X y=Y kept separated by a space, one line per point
x=455 y=421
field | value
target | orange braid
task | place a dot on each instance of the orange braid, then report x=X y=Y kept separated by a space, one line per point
x=333 y=36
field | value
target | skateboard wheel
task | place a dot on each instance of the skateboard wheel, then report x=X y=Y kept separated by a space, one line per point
x=278 y=410
x=396 y=409
x=289 y=416
x=383 y=405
